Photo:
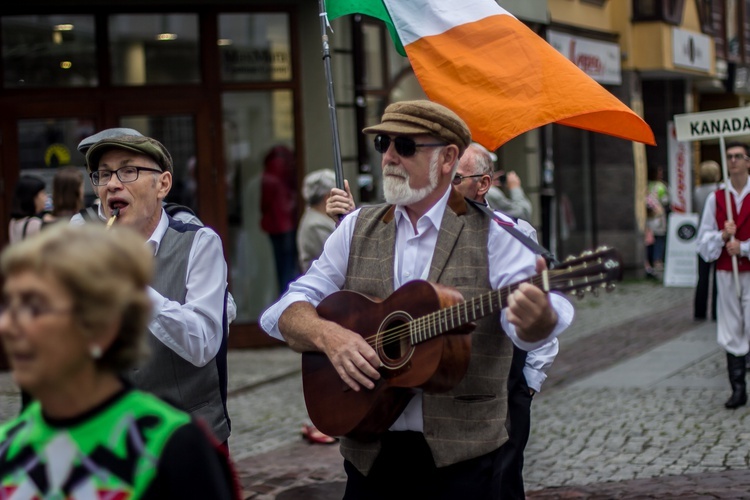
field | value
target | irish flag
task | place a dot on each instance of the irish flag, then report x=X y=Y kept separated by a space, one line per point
x=476 y=58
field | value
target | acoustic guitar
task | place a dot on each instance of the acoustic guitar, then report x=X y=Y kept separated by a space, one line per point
x=421 y=333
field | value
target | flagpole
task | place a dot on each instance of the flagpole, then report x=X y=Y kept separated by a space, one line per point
x=730 y=216
x=337 y=168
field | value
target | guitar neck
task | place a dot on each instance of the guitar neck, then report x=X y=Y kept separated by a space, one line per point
x=445 y=320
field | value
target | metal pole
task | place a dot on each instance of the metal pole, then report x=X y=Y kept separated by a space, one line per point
x=337 y=168
x=730 y=216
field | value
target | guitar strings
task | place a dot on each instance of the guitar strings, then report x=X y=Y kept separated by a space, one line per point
x=432 y=320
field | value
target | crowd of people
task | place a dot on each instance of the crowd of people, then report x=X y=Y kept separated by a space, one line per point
x=115 y=322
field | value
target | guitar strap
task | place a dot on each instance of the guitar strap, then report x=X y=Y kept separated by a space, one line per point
x=535 y=247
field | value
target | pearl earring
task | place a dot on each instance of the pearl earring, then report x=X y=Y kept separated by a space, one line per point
x=95 y=351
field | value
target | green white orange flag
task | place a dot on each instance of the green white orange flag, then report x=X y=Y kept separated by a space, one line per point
x=503 y=79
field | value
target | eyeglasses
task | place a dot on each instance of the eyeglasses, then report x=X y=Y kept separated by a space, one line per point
x=458 y=178
x=28 y=310
x=125 y=174
x=405 y=146
x=737 y=157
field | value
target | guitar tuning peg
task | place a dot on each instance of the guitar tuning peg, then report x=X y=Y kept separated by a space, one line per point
x=569 y=258
x=594 y=291
x=580 y=294
x=610 y=287
x=586 y=253
x=602 y=248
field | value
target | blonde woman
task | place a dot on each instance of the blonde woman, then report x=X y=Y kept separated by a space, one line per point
x=72 y=318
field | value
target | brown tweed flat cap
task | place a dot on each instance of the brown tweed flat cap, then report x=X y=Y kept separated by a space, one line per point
x=423 y=117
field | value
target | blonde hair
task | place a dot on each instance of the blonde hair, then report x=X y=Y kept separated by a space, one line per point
x=107 y=273
x=710 y=172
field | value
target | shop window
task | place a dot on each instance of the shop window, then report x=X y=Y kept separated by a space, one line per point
x=46 y=144
x=154 y=49
x=668 y=11
x=255 y=47
x=262 y=197
x=705 y=9
x=49 y=51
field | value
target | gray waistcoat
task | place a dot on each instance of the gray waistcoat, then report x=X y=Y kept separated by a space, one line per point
x=468 y=421
x=193 y=389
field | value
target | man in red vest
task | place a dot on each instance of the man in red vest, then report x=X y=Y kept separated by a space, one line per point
x=722 y=238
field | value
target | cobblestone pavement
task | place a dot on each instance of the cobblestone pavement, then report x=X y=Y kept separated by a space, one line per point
x=632 y=408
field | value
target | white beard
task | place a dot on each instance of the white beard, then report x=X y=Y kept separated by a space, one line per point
x=397 y=190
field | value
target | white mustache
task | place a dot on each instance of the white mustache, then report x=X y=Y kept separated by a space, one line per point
x=394 y=170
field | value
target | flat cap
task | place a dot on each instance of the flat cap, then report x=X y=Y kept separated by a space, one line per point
x=107 y=133
x=423 y=117
x=135 y=143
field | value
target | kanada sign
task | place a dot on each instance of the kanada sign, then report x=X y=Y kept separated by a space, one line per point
x=712 y=124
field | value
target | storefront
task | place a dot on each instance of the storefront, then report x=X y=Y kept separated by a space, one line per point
x=220 y=85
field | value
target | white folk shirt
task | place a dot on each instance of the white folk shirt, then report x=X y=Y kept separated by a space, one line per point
x=509 y=262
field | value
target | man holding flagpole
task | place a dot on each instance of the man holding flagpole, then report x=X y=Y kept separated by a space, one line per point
x=443 y=445
x=724 y=234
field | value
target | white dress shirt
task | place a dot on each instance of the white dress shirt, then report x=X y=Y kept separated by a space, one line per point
x=193 y=330
x=509 y=262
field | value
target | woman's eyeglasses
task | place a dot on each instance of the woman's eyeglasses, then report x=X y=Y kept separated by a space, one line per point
x=29 y=310
x=405 y=146
x=458 y=178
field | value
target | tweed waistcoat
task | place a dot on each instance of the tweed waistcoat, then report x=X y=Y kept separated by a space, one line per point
x=190 y=388
x=467 y=421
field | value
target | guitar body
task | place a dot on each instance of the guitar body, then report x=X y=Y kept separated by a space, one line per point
x=435 y=365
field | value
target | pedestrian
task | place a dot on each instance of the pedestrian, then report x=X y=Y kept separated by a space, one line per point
x=314 y=229
x=528 y=369
x=74 y=309
x=132 y=175
x=722 y=240
x=278 y=208
x=27 y=208
x=516 y=204
x=710 y=175
x=315 y=226
x=67 y=194
x=657 y=212
x=438 y=444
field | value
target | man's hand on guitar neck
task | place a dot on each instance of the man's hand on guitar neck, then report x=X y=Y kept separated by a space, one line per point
x=529 y=310
x=354 y=359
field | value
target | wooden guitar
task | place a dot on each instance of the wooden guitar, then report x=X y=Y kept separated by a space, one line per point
x=421 y=333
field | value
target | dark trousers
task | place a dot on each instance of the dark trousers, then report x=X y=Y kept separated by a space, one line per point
x=509 y=465
x=285 y=258
x=405 y=469
x=706 y=284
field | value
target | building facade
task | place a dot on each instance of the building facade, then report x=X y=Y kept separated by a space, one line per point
x=237 y=91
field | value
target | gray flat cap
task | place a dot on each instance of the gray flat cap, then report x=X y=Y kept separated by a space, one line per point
x=108 y=133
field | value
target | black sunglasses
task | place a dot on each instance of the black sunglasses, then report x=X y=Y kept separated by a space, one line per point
x=405 y=146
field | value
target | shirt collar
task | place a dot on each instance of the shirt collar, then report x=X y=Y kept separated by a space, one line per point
x=434 y=215
x=155 y=239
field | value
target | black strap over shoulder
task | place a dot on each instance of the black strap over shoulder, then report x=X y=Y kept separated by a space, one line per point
x=549 y=257
x=173 y=208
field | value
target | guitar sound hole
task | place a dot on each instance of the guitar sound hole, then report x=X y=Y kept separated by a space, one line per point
x=395 y=344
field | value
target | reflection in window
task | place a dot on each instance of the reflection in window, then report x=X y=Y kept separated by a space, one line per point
x=254 y=47
x=177 y=133
x=49 y=51
x=49 y=143
x=261 y=195
x=150 y=49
